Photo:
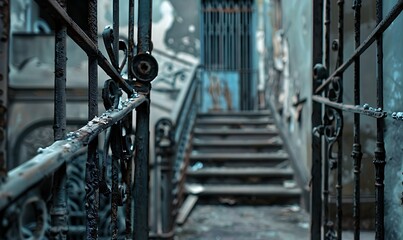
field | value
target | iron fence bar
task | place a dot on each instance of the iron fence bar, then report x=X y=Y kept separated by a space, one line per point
x=144 y=26
x=129 y=120
x=58 y=209
x=326 y=220
x=28 y=174
x=115 y=132
x=357 y=153
x=316 y=171
x=92 y=168
x=363 y=110
x=144 y=46
x=130 y=39
x=339 y=185
x=379 y=160
x=85 y=42
x=380 y=28
x=115 y=146
x=115 y=10
x=4 y=58
x=140 y=222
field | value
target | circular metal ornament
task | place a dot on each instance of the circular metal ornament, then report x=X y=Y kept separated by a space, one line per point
x=144 y=67
x=33 y=219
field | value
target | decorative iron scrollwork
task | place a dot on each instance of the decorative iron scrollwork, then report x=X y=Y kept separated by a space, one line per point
x=333 y=125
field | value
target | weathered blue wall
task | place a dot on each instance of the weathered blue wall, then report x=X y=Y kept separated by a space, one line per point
x=393 y=77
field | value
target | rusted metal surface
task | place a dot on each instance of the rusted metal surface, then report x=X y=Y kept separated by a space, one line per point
x=319 y=73
x=84 y=41
x=364 y=109
x=357 y=153
x=380 y=28
x=4 y=58
x=380 y=154
x=332 y=126
x=27 y=175
x=92 y=168
x=58 y=210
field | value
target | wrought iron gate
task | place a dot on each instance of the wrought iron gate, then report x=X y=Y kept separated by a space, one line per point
x=20 y=187
x=228 y=46
x=327 y=118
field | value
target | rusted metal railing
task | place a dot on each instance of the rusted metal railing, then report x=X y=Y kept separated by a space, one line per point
x=21 y=187
x=172 y=138
x=327 y=118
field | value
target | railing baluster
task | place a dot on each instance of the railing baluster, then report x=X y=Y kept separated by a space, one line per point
x=339 y=185
x=58 y=210
x=326 y=148
x=116 y=132
x=92 y=169
x=129 y=121
x=4 y=70
x=357 y=154
x=116 y=146
x=316 y=172
x=142 y=130
x=379 y=161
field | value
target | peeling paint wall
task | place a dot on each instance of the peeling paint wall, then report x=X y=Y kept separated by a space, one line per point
x=393 y=82
x=289 y=43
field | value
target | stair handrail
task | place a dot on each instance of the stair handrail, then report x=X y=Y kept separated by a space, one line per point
x=172 y=136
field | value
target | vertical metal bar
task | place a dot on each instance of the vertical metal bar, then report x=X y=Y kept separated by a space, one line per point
x=92 y=171
x=142 y=131
x=379 y=161
x=144 y=26
x=116 y=144
x=58 y=209
x=141 y=173
x=356 y=153
x=116 y=132
x=316 y=200
x=4 y=58
x=326 y=148
x=130 y=76
x=116 y=31
x=339 y=185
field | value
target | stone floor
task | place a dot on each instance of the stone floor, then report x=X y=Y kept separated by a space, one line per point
x=225 y=222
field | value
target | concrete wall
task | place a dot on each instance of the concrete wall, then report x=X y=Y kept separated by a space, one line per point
x=393 y=79
x=294 y=76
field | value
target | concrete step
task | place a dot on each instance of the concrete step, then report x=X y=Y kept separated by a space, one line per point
x=239 y=157
x=233 y=122
x=242 y=190
x=238 y=145
x=243 y=114
x=237 y=132
x=240 y=172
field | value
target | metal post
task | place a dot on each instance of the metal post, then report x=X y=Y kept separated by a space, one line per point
x=316 y=187
x=141 y=173
x=92 y=168
x=357 y=154
x=58 y=210
x=129 y=121
x=379 y=161
x=4 y=59
x=326 y=220
x=142 y=129
x=339 y=185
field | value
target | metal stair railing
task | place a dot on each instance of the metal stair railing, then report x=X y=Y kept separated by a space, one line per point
x=21 y=189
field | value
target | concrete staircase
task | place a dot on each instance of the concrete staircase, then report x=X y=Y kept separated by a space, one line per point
x=239 y=157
